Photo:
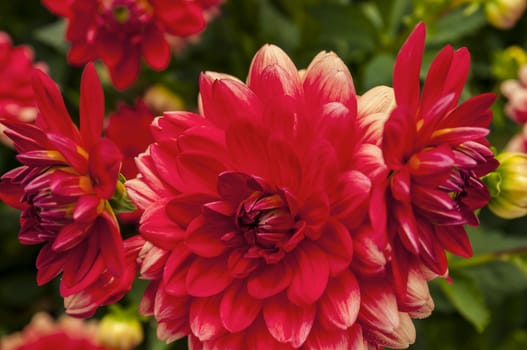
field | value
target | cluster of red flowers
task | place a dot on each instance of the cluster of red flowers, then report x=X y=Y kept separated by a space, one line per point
x=290 y=213
x=17 y=101
x=120 y=32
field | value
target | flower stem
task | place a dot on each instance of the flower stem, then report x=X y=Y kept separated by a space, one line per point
x=481 y=259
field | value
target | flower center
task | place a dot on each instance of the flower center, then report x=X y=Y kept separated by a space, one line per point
x=126 y=16
x=48 y=211
x=265 y=222
x=121 y=13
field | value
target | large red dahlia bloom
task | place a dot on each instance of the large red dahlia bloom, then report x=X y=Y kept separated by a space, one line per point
x=255 y=208
x=64 y=186
x=436 y=152
x=120 y=32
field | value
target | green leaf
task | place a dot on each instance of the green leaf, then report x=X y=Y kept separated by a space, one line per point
x=455 y=26
x=53 y=35
x=277 y=28
x=465 y=295
x=485 y=240
x=345 y=29
x=520 y=261
x=378 y=71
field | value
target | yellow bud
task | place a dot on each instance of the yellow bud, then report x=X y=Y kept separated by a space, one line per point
x=508 y=186
x=504 y=14
x=159 y=99
x=116 y=332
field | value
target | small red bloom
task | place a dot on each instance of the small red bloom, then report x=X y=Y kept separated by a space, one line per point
x=120 y=32
x=17 y=101
x=253 y=208
x=436 y=152
x=129 y=129
x=64 y=186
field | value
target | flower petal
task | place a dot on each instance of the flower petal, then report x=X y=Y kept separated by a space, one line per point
x=407 y=69
x=203 y=237
x=288 y=323
x=204 y=318
x=53 y=116
x=336 y=241
x=157 y=227
x=238 y=309
x=91 y=108
x=155 y=48
x=310 y=274
x=207 y=277
x=339 y=306
x=269 y=280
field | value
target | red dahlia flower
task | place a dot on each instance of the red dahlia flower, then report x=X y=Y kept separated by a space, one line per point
x=129 y=129
x=436 y=152
x=120 y=32
x=64 y=186
x=252 y=210
x=17 y=101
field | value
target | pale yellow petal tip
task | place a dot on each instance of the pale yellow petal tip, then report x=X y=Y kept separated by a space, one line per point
x=379 y=99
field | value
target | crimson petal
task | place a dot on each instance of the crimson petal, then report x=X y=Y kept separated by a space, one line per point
x=91 y=107
x=339 y=306
x=238 y=309
x=207 y=277
x=310 y=274
x=288 y=323
x=204 y=319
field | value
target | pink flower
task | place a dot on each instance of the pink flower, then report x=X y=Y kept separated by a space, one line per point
x=516 y=93
x=255 y=209
x=436 y=152
x=17 y=101
x=65 y=183
x=43 y=333
x=120 y=32
x=518 y=143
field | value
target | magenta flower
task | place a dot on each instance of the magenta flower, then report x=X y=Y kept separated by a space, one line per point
x=64 y=186
x=436 y=152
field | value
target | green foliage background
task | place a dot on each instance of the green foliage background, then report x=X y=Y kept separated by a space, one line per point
x=486 y=305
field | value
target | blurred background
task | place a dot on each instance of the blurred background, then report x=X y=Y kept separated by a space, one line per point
x=486 y=306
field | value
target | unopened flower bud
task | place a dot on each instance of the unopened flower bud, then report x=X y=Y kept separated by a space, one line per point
x=120 y=201
x=117 y=332
x=508 y=186
x=504 y=14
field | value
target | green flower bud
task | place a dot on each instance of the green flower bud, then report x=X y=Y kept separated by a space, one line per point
x=508 y=186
